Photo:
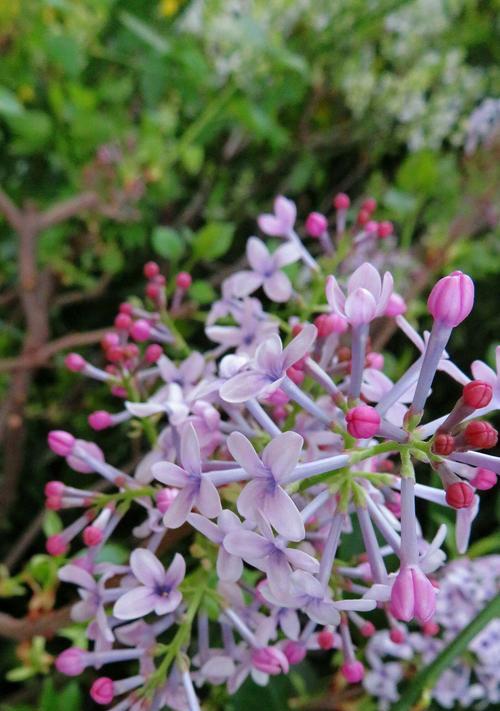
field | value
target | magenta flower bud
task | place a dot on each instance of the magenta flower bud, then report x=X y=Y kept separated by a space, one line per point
x=74 y=362
x=71 y=662
x=326 y=639
x=165 y=498
x=295 y=652
x=484 y=479
x=61 y=442
x=123 y=322
x=396 y=306
x=110 y=340
x=385 y=229
x=270 y=660
x=278 y=397
x=183 y=280
x=459 y=495
x=368 y=629
x=316 y=224
x=451 y=299
x=371 y=227
x=341 y=201
x=375 y=360
x=353 y=672
x=151 y=269
x=397 y=635
x=363 y=421
x=153 y=353
x=56 y=545
x=54 y=488
x=53 y=503
x=102 y=690
x=92 y=536
x=412 y=595
x=100 y=420
x=140 y=330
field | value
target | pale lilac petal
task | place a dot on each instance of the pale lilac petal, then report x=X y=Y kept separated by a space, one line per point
x=247 y=545
x=144 y=409
x=335 y=295
x=208 y=528
x=168 y=369
x=135 y=603
x=286 y=211
x=282 y=454
x=378 y=592
x=190 y=450
x=278 y=287
x=385 y=294
x=169 y=474
x=228 y=521
x=180 y=507
x=226 y=335
x=286 y=254
x=299 y=346
x=175 y=572
x=243 y=386
x=208 y=499
x=250 y=499
x=258 y=255
x=282 y=514
x=229 y=567
x=167 y=603
x=305 y=584
x=290 y=624
x=302 y=560
x=360 y=307
x=268 y=356
x=246 y=282
x=192 y=368
x=278 y=575
x=270 y=225
x=219 y=667
x=146 y=567
x=243 y=452
x=359 y=604
x=323 y=612
x=78 y=576
x=481 y=371
x=366 y=277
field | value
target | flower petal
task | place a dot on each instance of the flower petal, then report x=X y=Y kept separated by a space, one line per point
x=247 y=545
x=208 y=528
x=282 y=514
x=299 y=346
x=146 y=567
x=190 y=450
x=302 y=560
x=243 y=452
x=208 y=499
x=268 y=356
x=135 y=603
x=286 y=211
x=360 y=307
x=282 y=454
x=180 y=507
x=78 y=576
x=335 y=295
x=258 y=255
x=270 y=225
x=286 y=254
x=366 y=277
x=278 y=287
x=170 y=474
x=243 y=386
x=323 y=612
x=246 y=282
x=175 y=572
x=168 y=603
x=229 y=567
x=250 y=499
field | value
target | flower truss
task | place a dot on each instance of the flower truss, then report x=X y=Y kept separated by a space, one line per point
x=271 y=449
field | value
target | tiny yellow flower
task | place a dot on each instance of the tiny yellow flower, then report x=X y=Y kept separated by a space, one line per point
x=169 y=7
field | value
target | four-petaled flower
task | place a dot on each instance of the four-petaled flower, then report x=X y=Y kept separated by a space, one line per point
x=266 y=271
x=158 y=590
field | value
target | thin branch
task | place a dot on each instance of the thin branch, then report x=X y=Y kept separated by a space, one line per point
x=66 y=209
x=11 y=212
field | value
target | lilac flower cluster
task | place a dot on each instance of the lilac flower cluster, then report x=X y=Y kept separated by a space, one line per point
x=274 y=446
x=473 y=681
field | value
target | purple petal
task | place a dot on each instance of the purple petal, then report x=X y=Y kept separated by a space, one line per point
x=226 y=335
x=286 y=254
x=146 y=567
x=170 y=474
x=208 y=528
x=228 y=521
x=180 y=507
x=167 y=603
x=270 y=225
x=302 y=560
x=305 y=584
x=366 y=277
x=244 y=386
x=282 y=454
x=282 y=514
x=258 y=255
x=175 y=572
x=247 y=545
x=269 y=356
x=360 y=307
x=335 y=295
x=208 y=499
x=78 y=576
x=285 y=211
x=290 y=624
x=243 y=452
x=323 y=612
x=246 y=282
x=278 y=287
x=144 y=409
x=190 y=450
x=168 y=370
x=385 y=294
x=192 y=368
x=229 y=567
x=135 y=603
x=278 y=575
x=251 y=497
x=299 y=346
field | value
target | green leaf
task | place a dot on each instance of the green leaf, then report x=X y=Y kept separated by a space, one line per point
x=213 y=240
x=9 y=103
x=429 y=676
x=32 y=131
x=52 y=523
x=167 y=243
x=144 y=32
x=202 y=292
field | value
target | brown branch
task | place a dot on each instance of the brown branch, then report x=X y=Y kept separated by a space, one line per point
x=66 y=209
x=25 y=628
x=11 y=212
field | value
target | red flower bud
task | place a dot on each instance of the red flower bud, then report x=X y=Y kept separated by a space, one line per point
x=459 y=495
x=341 y=201
x=443 y=444
x=325 y=639
x=370 y=205
x=477 y=394
x=480 y=435
x=485 y=479
x=183 y=280
x=151 y=269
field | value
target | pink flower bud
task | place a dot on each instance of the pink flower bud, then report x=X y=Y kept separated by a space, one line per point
x=279 y=413
x=484 y=479
x=140 y=330
x=296 y=375
x=370 y=205
x=100 y=420
x=295 y=652
x=110 y=340
x=183 y=280
x=375 y=360
x=102 y=690
x=153 y=353
x=316 y=224
x=74 y=362
x=368 y=629
x=71 y=661
x=477 y=394
x=363 y=421
x=371 y=227
x=459 y=495
x=397 y=635
x=61 y=442
x=480 y=435
x=92 y=536
x=430 y=629
x=123 y=322
x=270 y=660
x=126 y=308
x=444 y=444
x=151 y=269
x=278 y=397
x=385 y=229
x=412 y=595
x=54 y=488
x=325 y=639
x=53 y=503
x=341 y=201
x=164 y=499
x=396 y=306
x=353 y=672
x=56 y=545
x=153 y=291
x=451 y=299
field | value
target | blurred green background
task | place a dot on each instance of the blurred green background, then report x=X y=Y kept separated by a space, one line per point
x=169 y=125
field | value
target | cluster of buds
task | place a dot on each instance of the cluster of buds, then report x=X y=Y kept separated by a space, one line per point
x=271 y=446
